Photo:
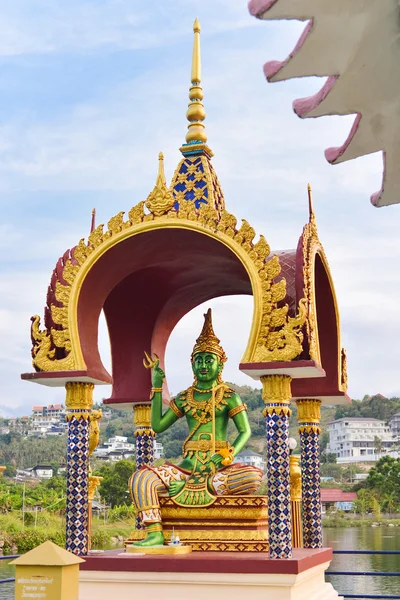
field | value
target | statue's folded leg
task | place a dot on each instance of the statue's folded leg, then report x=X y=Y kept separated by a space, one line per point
x=237 y=479
x=147 y=484
x=146 y=487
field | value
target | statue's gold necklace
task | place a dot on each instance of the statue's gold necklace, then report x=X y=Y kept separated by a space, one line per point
x=201 y=410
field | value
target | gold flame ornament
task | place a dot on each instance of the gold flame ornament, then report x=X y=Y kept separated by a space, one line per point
x=160 y=200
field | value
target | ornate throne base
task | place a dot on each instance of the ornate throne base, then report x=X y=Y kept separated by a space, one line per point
x=232 y=523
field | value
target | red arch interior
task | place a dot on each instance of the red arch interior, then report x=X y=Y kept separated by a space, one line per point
x=146 y=284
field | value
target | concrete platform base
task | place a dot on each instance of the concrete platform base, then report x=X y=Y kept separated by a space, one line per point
x=207 y=575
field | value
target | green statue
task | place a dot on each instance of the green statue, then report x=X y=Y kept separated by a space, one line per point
x=206 y=470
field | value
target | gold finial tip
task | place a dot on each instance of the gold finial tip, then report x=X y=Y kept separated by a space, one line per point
x=196 y=26
x=93 y=211
x=309 y=187
x=160 y=156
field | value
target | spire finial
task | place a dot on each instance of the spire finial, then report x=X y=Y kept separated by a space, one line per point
x=310 y=203
x=195 y=113
x=93 y=223
x=160 y=181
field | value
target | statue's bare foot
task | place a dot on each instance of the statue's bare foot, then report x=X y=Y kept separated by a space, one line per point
x=156 y=538
x=175 y=487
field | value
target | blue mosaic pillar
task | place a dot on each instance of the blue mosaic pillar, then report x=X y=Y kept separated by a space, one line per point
x=276 y=395
x=144 y=441
x=309 y=417
x=78 y=403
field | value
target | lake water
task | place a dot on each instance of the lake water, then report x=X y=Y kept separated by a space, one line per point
x=364 y=538
x=355 y=538
x=6 y=589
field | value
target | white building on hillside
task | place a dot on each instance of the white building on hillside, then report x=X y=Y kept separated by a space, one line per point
x=117 y=447
x=358 y=439
x=47 y=420
x=394 y=424
x=248 y=457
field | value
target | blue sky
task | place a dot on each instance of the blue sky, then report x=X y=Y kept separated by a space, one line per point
x=90 y=92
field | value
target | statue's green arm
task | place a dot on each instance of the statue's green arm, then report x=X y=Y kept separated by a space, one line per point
x=242 y=424
x=161 y=422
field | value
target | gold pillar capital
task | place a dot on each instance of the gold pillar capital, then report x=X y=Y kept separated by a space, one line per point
x=79 y=398
x=142 y=415
x=276 y=394
x=309 y=414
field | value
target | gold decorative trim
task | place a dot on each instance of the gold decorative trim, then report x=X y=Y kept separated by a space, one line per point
x=79 y=396
x=94 y=430
x=312 y=247
x=276 y=389
x=261 y=546
x=160 y=200
x=309 y=410
x=230 y=501
x=78 y=415
x=295 y=478
x=343 y=372
x=210 y=523
x=309 y=429
x=43 y=350
x=142 y=415
x=93 y=484
x=158 y=549
x=220 y=535
x=277 y=410
x=148 y=432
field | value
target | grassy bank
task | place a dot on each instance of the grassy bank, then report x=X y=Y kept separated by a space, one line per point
x=19 y=537
x=359 y=521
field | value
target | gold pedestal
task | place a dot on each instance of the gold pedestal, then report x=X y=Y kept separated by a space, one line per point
x=230 y=524
x=158 y=550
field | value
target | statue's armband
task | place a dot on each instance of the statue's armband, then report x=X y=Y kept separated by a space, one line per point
x=175 y=409
x=237 y=409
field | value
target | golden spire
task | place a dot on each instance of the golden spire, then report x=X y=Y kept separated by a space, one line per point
x=208 y=341
x=195 y=113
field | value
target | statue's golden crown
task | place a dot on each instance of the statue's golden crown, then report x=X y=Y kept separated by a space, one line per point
x=208 y=341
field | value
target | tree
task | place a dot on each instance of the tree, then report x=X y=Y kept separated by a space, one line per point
x=389 y=503
x=377 y=444
x=173 y=448
x=385 y=476
x=114 y=487
x=328 y=458
x=364 y=501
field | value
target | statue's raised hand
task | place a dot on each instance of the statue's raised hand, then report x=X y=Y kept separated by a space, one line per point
x=158 y=376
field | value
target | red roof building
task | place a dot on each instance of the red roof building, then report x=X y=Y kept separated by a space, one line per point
x=336 y=495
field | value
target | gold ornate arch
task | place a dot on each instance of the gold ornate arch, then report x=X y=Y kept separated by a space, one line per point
x=274 y=336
